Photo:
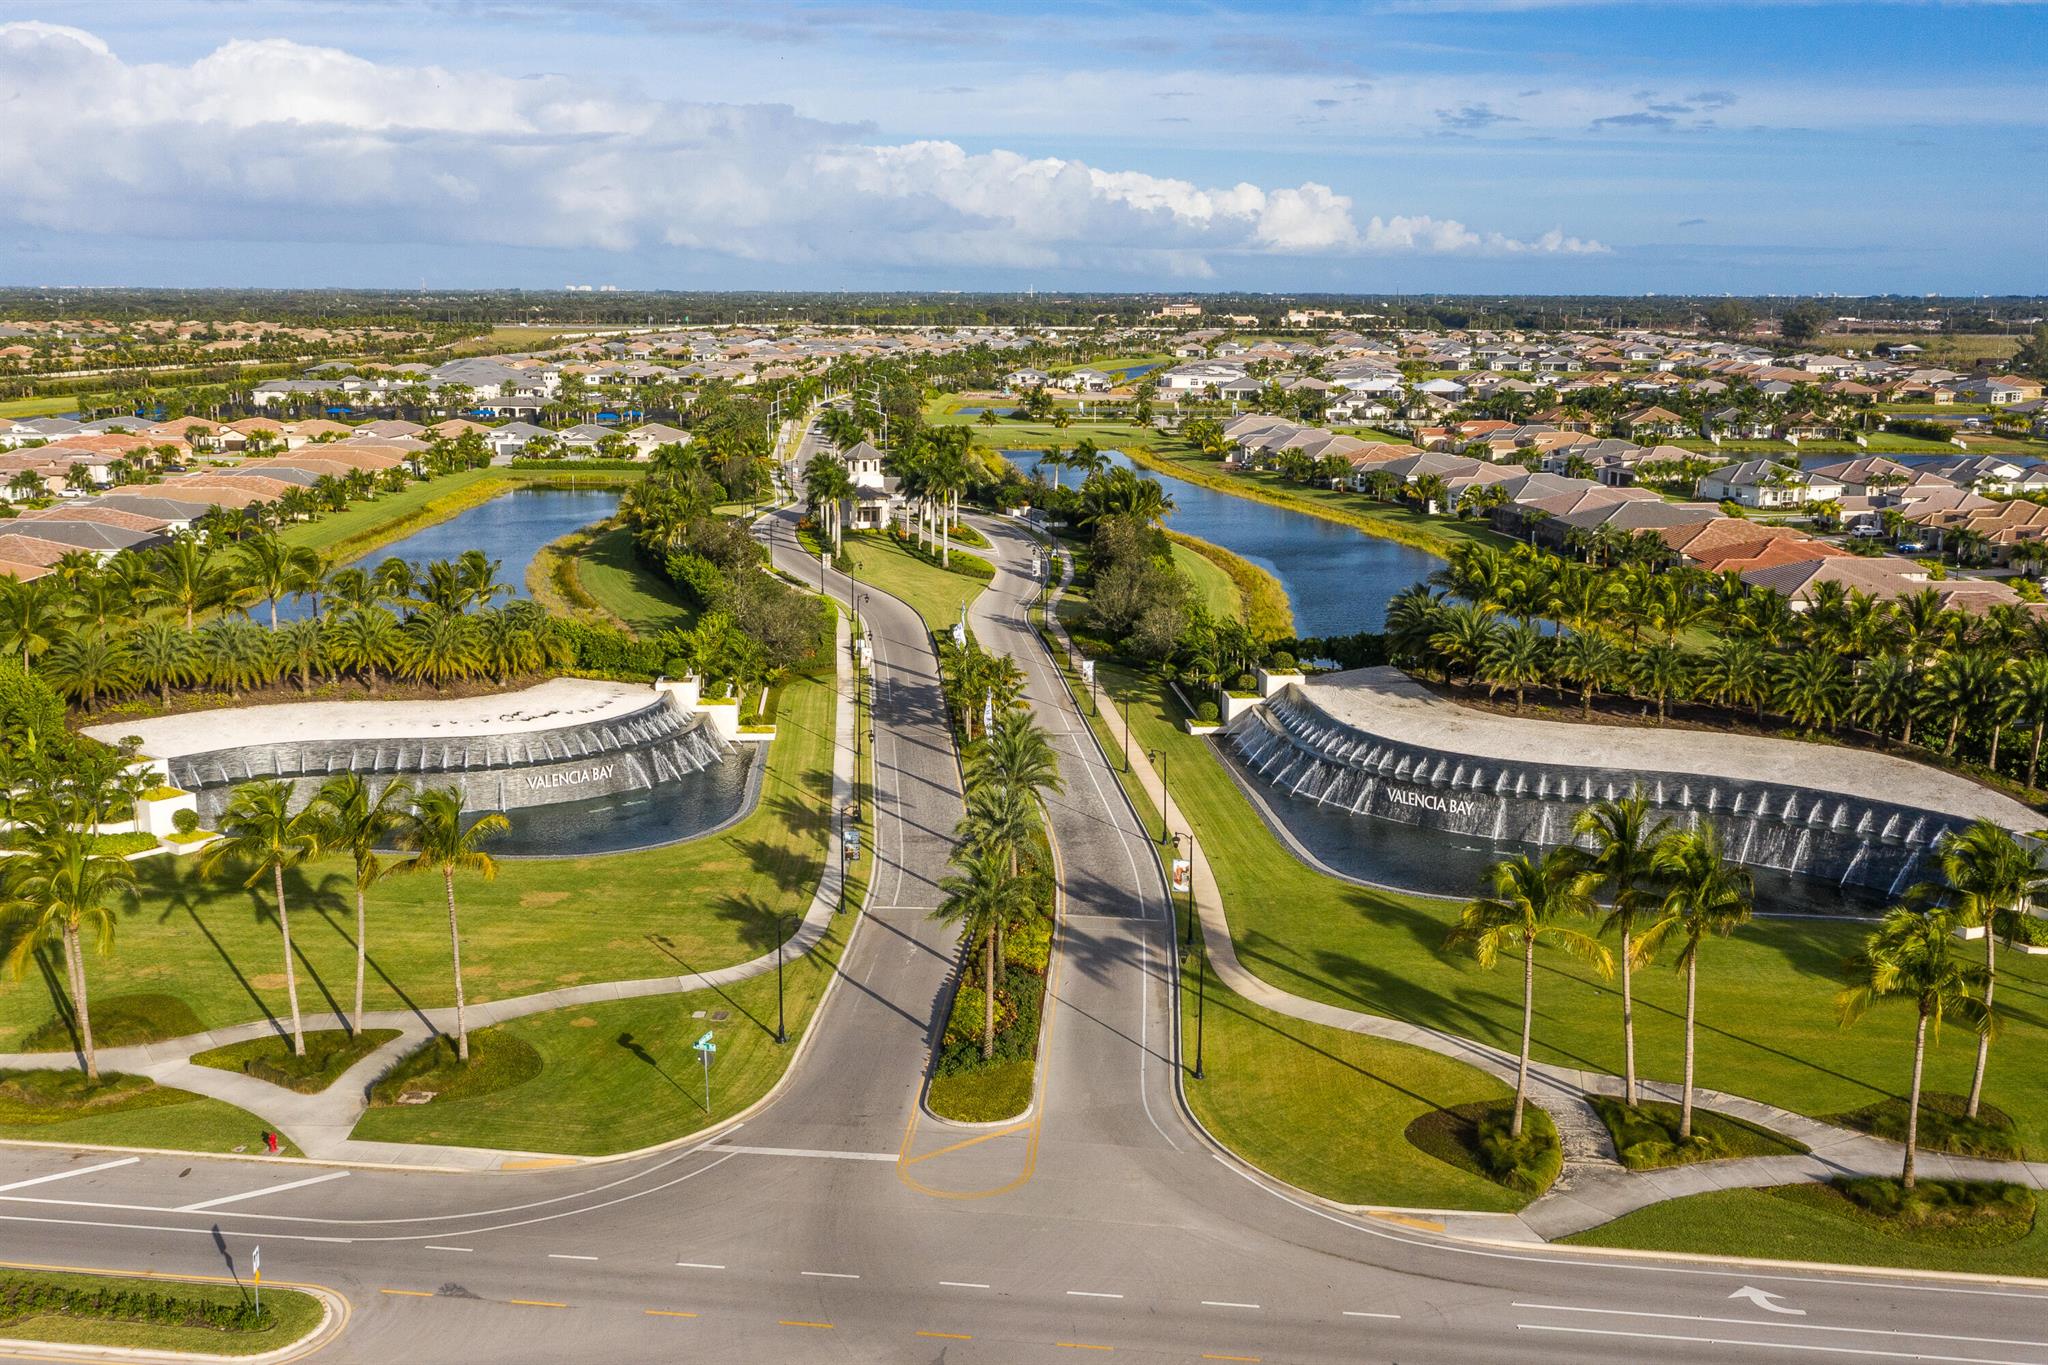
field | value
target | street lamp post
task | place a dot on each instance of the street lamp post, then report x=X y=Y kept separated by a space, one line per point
x=1191 y=883
x=1201 y=1003
x=1159 y=756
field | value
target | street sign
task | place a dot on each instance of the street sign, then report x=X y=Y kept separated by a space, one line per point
x=705 y=1047
x=705 y=1044
x=256 y=1266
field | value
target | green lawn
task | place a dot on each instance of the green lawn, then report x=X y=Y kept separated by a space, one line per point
x=329 y=1052
x=1213 y=588
x=38 y=407
x=1768 y=1027
x=624 y=1075
x=934 y=593
x=543 y=923
x=1321 y=1108
x=123 y=1111
x=288 y=1315
x=611 y=573
x=999 y=1091
x=1806 y=1223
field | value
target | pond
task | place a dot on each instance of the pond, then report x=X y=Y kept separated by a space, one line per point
x=511 y=528
x=688 y=807
x=1337 y=579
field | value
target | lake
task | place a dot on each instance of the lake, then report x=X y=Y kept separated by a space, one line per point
x=1337 y=579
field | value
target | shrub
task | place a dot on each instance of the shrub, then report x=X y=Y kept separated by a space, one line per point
x=1938 y=1201
x=1245 y=683
x=1207 y=712
x=1943 y=1126
x=185 y=821
x=1283 y=662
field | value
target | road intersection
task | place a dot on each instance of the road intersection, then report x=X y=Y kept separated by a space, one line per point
x=841 y=1223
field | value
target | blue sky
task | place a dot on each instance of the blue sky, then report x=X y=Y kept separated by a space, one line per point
x=1415 y=145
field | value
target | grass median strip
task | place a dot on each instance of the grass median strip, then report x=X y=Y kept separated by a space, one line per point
x=148 y=1313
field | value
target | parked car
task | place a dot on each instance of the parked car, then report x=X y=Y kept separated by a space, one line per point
x=1911 y=547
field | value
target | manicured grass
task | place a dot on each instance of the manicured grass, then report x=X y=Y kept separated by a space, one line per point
x=934 y=593
x=1944 y=1126
x=119 y=1310
x=623 y=1075
x=39 y=407
x=1646 y=1137
x=329 y=1052
x=996 y=1092
x=213 y=946
x=117 y=1021
x=123 y=1111
x=436 y=1072
x=1263 y=602
x=1213 y=589
x=1817 y=1223
x=1767 y=1022
x=613 y=575
x=1321 y=1108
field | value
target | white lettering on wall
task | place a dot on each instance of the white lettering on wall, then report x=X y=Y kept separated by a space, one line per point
x=570 y=777
x=1457 y=806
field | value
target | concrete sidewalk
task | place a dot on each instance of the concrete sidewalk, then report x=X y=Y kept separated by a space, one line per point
x=1594 y=1187
x=321 y=1123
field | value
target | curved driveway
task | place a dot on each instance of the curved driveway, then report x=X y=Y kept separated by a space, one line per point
x=836 y=1227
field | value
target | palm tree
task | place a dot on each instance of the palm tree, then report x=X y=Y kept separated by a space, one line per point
x=1661 y=670
x=1960 y=682
x=442 y=843
x=1463 y=637
x=60 y=889
x=2027 y=701
x=1912 y=955
x=1518 y=657
x=355 y=822
x=89 y=663
x=980 y=902
x=1586 y=660
x=260 y=829
x=1532 y=903
x=1708 y=894
x=1000 y=820
x=828 y=485
x=365 y=640
x=164 y=656
x=440 y=647
x=235 y=654
x=1811 y=688
x=186 y=577
x=273 y=569
x=1626 y=842
x=1014 y=753
x=31 y=617
x=1887 y=692
x=1993 y=880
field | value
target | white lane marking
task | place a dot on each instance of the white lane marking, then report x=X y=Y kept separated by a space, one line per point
x=431 y=1247
x=961 y=1284
x=1225 y=1303
x=1779 y=1326
x=564 y=1256
x=276 y=1235
x=820 y=1153
x=1354 y=1313
x=828 y=1274
x=699 y=1265
x=66 y=1175
x=1774 y=1345
x=1091 y=1294
x=258 y=1194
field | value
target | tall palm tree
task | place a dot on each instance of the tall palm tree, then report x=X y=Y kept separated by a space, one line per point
x=273 y=569
x=1625 y=844
x=31 y=617
x=1707 y=894
x=61 y=889
x=1015 y=752
x=980 y=902
x=259 y=829
x=1912 y=956
x=442 y=843
x=1992 y=879
x=359 y=823
x=1000 y=820
x=1532 y=903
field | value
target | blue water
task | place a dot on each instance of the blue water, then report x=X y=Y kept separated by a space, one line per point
x=511 y=528
x=1337 y=579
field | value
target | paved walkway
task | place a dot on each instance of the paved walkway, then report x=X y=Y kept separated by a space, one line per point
x=1594 y=1187
x=321 y=1123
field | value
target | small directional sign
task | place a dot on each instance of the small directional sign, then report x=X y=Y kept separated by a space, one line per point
x=705 y=1044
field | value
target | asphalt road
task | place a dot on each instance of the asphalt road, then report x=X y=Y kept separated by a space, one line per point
x=838 y=1225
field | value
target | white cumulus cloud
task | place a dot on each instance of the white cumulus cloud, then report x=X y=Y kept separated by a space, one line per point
x=271 y=140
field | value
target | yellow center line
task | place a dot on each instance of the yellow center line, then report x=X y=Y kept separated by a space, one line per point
x=948 y=1336
x=1208 y=1355
x=407 y=1293
x=968 y=1142
x=537 y=1303
x=666 y=1313
x=1082 y=1346
x=793 y=1322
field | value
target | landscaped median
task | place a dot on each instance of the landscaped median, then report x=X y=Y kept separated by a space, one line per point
x=150 y=1313
x=907 y=573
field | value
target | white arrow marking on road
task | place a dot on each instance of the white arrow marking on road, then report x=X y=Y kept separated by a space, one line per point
x=66 y=1175
x=1766 y=1301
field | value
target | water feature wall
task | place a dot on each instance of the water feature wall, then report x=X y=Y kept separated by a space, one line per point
x=634 y=752
x=1295 y=746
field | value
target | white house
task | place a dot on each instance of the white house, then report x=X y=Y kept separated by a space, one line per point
x=1766 y=484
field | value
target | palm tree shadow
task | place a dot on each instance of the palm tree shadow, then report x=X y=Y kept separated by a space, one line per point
x=662 y=944
x=60 y=999
x=632 y=1045
x=183 y=899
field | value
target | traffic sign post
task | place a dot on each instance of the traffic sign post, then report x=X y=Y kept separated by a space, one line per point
x=705 y=1047
x=256 y=1265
